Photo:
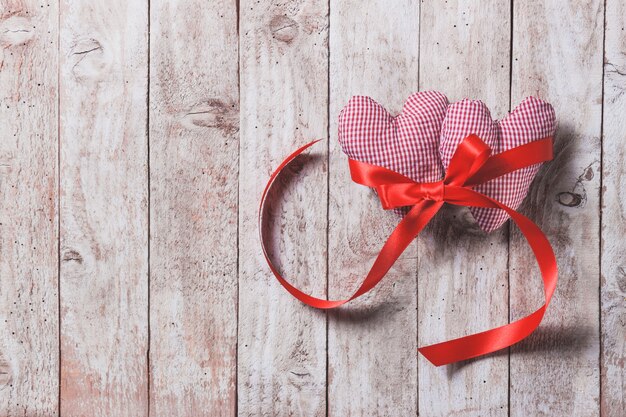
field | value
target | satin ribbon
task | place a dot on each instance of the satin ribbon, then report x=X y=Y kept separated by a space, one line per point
x=471 y=164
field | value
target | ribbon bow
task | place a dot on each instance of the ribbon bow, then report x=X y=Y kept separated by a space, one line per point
x=471 y=164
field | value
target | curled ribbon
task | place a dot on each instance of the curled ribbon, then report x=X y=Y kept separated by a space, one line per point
x=471 y=164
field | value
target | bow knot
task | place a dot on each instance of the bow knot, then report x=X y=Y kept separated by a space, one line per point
x=434 y=191
x=395 y=190
x=394 y=195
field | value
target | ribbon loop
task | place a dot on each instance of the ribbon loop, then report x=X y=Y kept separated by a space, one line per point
x=471 y=164
x=469 y=157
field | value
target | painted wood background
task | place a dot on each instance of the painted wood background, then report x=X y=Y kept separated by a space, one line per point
x=136 y=137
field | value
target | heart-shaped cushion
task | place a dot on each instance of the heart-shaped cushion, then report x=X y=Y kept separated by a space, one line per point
x=420 y=141
x=407 y=143
x=531 y=120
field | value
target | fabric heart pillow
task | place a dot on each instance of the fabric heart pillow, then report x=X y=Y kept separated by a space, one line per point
x=420 y=141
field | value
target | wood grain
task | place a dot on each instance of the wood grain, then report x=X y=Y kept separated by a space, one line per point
x=29 y=348
x=129 y=196
x=283 y=74
x=372 y=362
x=463 y=280
x=104 y=208
x=557 y=52
x=194 y=131
x=613 y=249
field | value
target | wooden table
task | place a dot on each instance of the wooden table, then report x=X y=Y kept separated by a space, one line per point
x=136 y=138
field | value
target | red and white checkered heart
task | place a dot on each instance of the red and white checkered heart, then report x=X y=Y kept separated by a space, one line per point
x=420 y=141
x=407 y=143
x=531 y=120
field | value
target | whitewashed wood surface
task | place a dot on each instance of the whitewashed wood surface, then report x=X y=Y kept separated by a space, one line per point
x=136 y=138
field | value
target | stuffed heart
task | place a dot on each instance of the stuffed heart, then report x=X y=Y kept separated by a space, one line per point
x=420 y=141
x=407 y=143
x=531 y=120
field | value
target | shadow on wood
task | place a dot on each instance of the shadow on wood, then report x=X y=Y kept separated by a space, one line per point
x=358 y=314
x=551 y=175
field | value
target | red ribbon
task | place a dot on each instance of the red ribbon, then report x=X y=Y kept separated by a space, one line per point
x=472 y=164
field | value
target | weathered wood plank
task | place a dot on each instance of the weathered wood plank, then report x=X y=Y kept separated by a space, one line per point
x=557 y=51
x=372 y=357
x=282 y=343
x=104 y=207
x=463 y=280
x=29 y=350
x=194 y=125
x=613 y=249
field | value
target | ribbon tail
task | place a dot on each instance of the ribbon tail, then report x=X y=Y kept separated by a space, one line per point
x=482 y=343
x=489 y=341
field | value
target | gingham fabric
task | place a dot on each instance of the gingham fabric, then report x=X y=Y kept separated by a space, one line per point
x=420 y=141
